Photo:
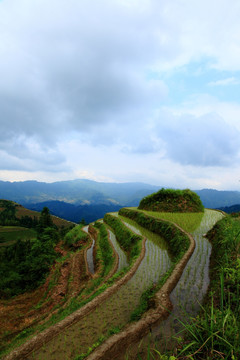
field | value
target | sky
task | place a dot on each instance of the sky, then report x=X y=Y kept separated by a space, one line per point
x=121 y=91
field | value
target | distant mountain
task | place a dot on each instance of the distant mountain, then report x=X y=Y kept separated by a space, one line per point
x=84 y=195
x=215 y=199
x=77 y=192
x=75 y=213
x=231 y=209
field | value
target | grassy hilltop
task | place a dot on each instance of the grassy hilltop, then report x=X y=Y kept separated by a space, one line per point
x=169 y=200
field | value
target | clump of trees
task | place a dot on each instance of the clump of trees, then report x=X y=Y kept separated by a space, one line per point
x=24 y=265
x=170 y=200
x=8 y=216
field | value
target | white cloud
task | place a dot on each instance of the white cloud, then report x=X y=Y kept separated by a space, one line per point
x=90 y=73
x=225 y=82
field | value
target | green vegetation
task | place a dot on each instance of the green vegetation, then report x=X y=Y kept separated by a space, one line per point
x=76 y=237
x=8 y=216
x=177 y=241
x=127 y=239
x=187 y=221
x=10 y=234
x=146 y=301
x=13 y=214
x=169 y=200
x=24 y=264
x=105 y=254
x=215 y=333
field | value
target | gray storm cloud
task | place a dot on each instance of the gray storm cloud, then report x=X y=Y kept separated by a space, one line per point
x=87 y=61
x=73 y=66
x=88 y=71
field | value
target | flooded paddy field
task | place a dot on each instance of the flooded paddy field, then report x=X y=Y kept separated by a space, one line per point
x=114 y=312
x=188 y=294
x=121 y=254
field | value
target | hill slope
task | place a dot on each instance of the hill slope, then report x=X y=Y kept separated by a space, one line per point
x=169 y=200
x=73 y=212
x=21 y=212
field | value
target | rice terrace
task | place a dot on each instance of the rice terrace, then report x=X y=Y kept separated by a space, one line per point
x=157 y=281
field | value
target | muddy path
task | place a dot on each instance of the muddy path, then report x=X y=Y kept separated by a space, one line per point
x=114 y=312
x=186 y=297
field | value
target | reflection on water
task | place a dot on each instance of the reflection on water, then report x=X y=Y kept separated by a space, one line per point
x=121 y=254
x=114 y=311
x=188 y=293
x=90 y=262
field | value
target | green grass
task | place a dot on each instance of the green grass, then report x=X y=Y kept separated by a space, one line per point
x=177 y=241
x=105 y=254
x=215 y=332
x=128 y=240
x=10 y=234
x=75 y=235
x=187 y=221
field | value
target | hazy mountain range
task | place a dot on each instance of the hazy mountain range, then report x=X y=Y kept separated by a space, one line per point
x=78 y=192
x=77 y=199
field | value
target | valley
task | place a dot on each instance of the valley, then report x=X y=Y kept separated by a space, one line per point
x=138 y=274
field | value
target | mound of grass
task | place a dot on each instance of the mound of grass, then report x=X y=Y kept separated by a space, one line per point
x=169 y=200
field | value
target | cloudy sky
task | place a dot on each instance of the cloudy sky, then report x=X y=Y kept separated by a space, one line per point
x=121 y=90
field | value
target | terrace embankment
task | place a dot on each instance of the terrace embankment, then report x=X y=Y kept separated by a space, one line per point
x=58 y=330
x=116 y=311
x=66 y=344
x=113 y=346
x=35 y=307
x=190 y=290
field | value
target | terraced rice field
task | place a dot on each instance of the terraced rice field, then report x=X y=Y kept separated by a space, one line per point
x=116 y=310
x=188 y=294
x=121 y=254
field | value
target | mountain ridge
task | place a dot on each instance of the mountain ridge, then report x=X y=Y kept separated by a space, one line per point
x=91 y=199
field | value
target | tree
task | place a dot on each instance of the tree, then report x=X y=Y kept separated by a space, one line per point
x=82 y=222
x=45 y=220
